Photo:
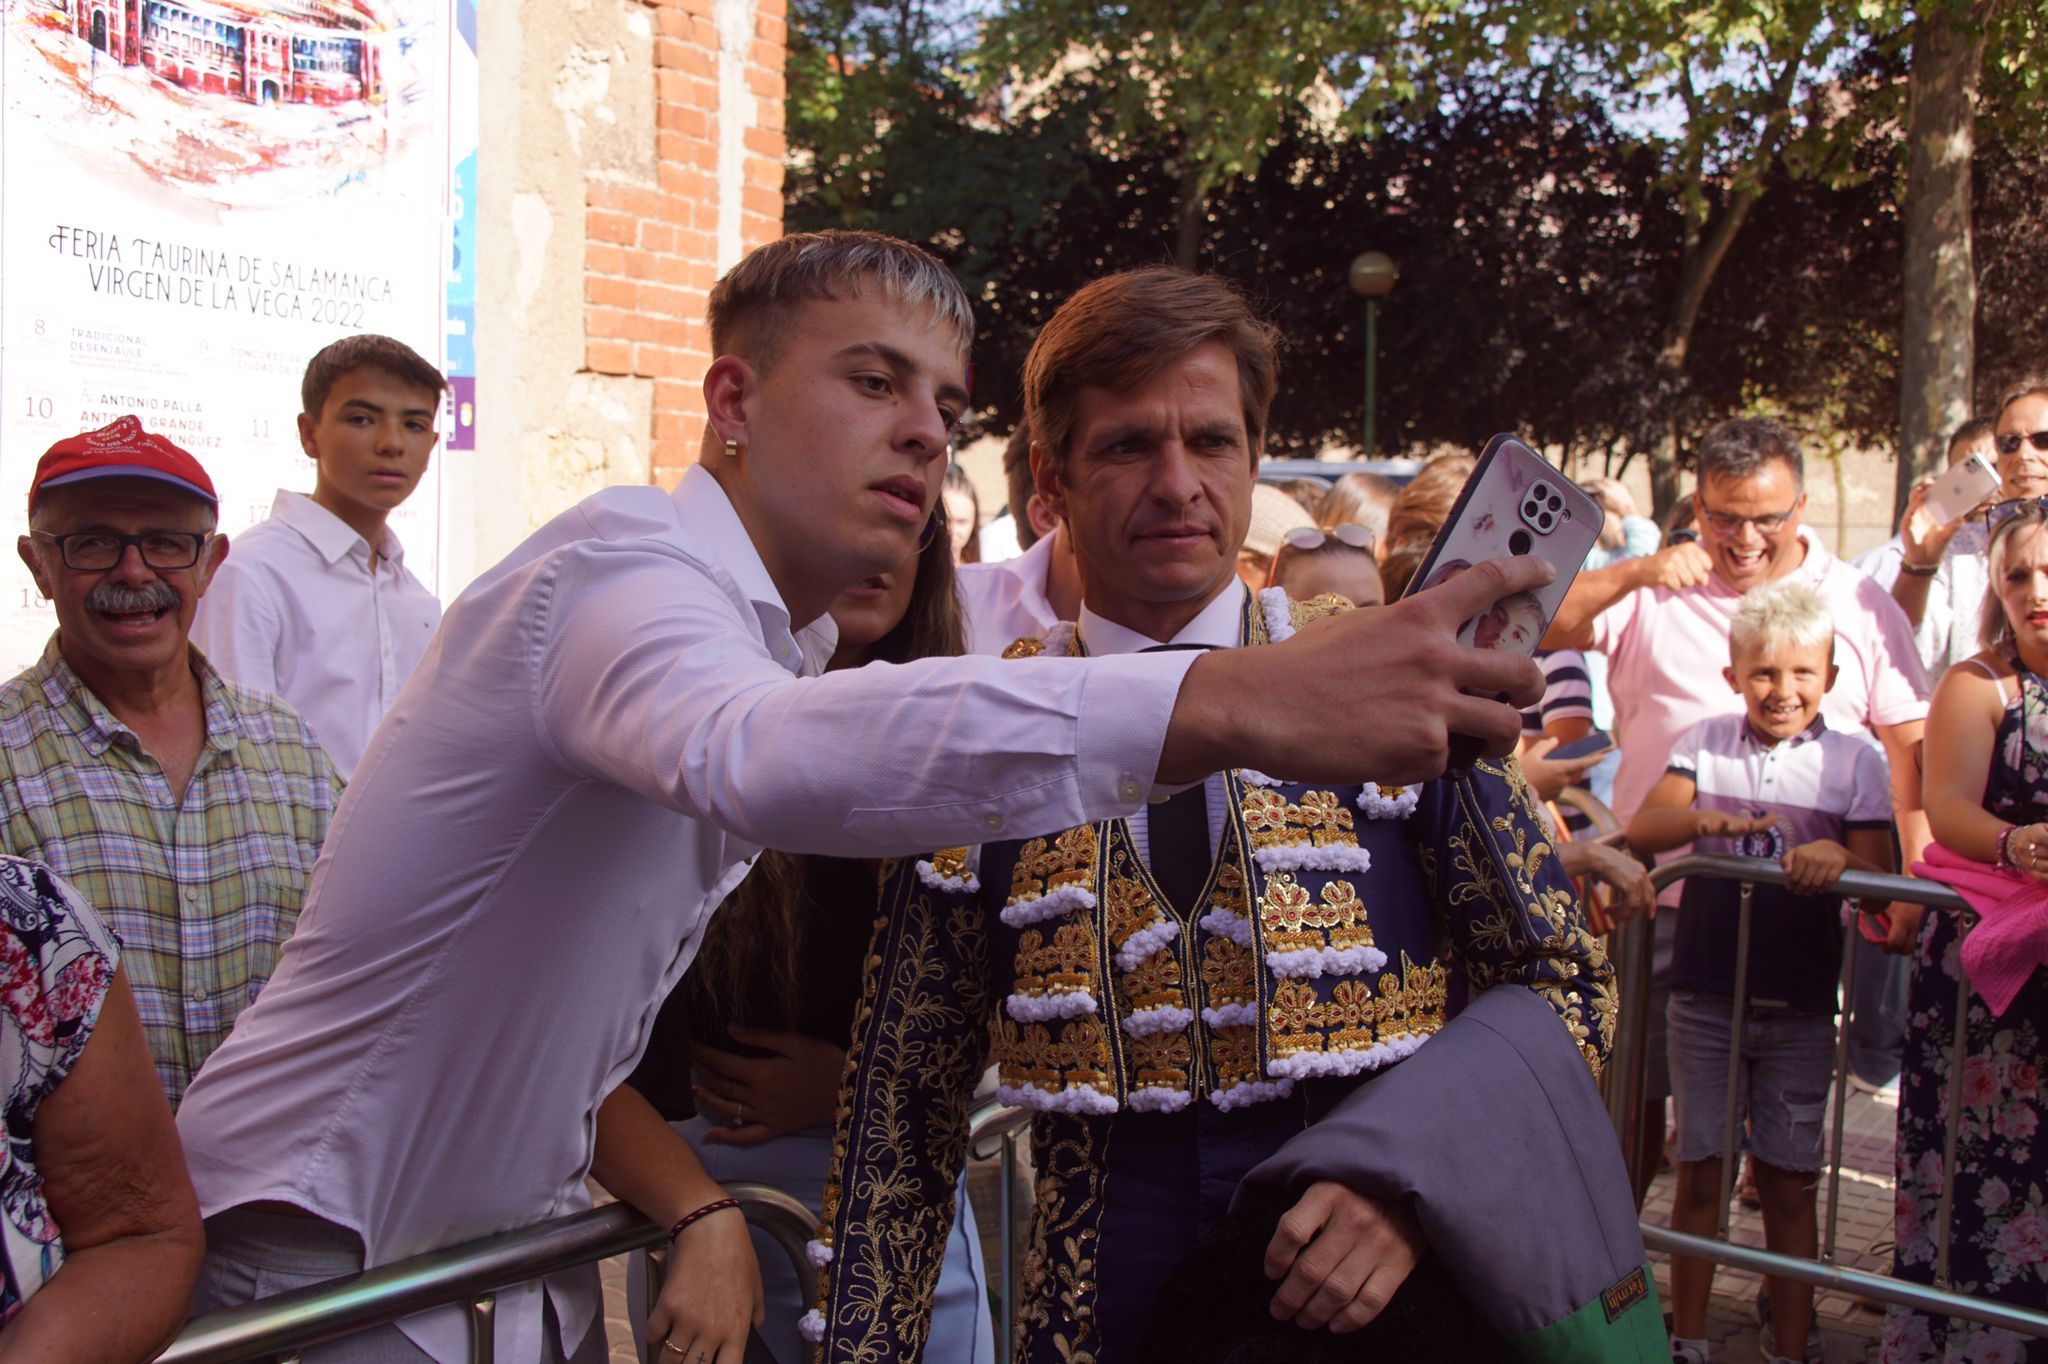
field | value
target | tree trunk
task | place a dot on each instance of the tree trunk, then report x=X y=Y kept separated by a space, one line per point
x=1706 y=246
x=1192 y=214
x=1937 y=339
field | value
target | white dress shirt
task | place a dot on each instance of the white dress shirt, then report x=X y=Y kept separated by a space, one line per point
x=1217 y=627
x=297 y=610
x=605 y=730
x=1005 y=602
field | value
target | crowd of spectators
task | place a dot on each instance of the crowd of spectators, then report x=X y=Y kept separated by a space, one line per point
x=172 y=765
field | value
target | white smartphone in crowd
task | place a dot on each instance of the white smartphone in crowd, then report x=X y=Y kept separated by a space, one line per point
x=1961 y=489
x=1515 y=502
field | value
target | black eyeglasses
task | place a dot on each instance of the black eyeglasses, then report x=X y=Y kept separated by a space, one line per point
x=1998 y=513
x=95 y=551
x=1309 y=538
x=2011 y=441
x=1728 y=523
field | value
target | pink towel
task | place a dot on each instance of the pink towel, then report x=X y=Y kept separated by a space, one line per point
x=2011 y=936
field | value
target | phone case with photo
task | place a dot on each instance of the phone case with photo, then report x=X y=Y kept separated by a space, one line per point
x=1959 y=490
x=1515 y=502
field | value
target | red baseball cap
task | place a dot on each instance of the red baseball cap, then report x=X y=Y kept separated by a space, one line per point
x=120 y=449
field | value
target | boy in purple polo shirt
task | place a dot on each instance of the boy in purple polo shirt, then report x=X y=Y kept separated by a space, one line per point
x=1773 y=782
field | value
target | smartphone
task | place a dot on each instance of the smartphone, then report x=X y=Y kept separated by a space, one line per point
x=1595 y=742
x=1515 y=502
x=1961 y=489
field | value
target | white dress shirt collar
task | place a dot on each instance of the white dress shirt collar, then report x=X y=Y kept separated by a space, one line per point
x=710 y=523
x=1216 y=627
x=334 y=538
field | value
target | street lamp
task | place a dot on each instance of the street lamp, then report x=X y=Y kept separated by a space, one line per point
x=1373 y=275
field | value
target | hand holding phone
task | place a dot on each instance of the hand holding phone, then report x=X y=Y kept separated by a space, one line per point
x=1957 y=492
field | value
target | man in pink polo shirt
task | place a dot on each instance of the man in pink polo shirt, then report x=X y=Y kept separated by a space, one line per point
x=1662 y=620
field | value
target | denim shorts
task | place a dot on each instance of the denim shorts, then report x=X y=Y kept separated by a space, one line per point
x=1788 y=1058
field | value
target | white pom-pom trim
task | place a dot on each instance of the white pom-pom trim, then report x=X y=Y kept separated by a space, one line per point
x=811 y=1326
x=929 y=874
x=1310 y=1065
x=1059 y=640
x=1279 y=620
x=1251 y=777
x=1309 y=857
x=1039 y=1008
x=818 y=1253
x=1157 y=1099
x=1079 y=1099
x=1165 y=1018
x=1250 y=1092
x=1050 y=905
x=1231 y=1015
x=1225 y=924
x=1308 y=962
x=1145 y=942
x=1388 y=807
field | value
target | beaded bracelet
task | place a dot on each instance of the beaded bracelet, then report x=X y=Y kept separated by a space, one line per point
x=716 y=1205
x=2005 y=861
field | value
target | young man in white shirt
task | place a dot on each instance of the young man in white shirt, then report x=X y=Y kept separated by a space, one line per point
x=609 y=726
x=317 y=604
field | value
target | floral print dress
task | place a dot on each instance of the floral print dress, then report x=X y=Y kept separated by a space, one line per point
x=1999 y=1239
x=56 y=964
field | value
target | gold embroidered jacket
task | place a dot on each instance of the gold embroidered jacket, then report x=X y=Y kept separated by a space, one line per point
x=1331 y=916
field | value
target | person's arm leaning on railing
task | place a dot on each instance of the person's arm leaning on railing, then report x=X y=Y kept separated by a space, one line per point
x=115 y=1180
x=712 y=1296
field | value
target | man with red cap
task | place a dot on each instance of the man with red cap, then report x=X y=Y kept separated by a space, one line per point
x=188 y=810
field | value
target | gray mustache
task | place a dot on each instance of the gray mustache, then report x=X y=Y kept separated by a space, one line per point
x=117 y=600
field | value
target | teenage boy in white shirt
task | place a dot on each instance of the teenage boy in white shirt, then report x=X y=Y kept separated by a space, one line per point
x=317 y=604
x=606 y=729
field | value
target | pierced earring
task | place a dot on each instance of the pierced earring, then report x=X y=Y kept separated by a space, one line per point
x=732 y=448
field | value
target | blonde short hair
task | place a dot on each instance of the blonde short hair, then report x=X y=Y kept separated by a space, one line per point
x=1782 y=613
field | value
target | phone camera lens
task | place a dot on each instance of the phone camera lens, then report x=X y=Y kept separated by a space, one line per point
x=1519 y=542
x=1545 y=522
x=1555 y=501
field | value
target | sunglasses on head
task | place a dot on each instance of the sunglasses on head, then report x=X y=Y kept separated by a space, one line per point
x=2001 y=512
x=1308 y=538
x=2011 y=441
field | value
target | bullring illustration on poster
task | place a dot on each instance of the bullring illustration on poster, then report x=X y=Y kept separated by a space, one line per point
x=245 y=104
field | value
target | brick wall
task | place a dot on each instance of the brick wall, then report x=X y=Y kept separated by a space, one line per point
x=651 y=251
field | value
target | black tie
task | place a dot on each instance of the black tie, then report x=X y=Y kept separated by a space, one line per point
x=1177 y=830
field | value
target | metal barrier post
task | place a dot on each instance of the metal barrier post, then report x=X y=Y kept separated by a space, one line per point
x=483 y=1334
x=1841 y=1087
x=1007 y=1298
x=1730 y=1159
x=1957 y=1052
x=1005 y=1123
x=1630 y=946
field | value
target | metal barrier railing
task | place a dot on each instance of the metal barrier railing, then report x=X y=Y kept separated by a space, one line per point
x=998 y=1122
x=471 y=1274
x=1626 y=1087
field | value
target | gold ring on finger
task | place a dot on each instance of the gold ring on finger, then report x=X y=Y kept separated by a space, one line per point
x=671 y=1345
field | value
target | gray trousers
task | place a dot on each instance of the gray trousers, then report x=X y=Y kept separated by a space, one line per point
x=251 y=1255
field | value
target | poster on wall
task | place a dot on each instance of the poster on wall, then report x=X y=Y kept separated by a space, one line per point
x=197 y=195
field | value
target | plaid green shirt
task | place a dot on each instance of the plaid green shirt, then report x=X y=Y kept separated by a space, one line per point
x=202 y=893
